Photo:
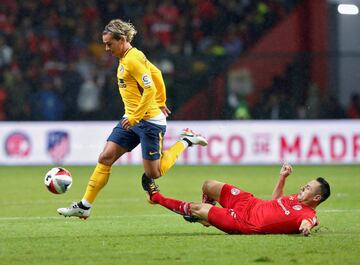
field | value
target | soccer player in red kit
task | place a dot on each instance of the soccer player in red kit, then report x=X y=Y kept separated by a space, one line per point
x=242 y=213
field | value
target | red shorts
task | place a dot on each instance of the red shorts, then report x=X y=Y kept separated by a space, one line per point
x=234 y=201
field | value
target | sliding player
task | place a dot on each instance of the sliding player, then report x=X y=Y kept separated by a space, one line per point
x=242 y=213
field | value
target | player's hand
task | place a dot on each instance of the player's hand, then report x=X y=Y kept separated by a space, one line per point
x=305 y=228
x=305 y=231
x=125 y=124
x=165 y=110
x=286 y=170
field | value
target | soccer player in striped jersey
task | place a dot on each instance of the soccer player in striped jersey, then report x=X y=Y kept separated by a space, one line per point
x=242 y=213
x=142 y=90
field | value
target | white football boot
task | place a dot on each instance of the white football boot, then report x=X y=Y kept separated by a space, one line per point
x=74 y=210
x=193 y=138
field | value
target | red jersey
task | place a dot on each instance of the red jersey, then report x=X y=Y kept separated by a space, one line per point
x=245 y=214
x=281 y=216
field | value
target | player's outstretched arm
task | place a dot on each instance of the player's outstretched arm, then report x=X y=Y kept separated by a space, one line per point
x=305 y=227
x=285 y=171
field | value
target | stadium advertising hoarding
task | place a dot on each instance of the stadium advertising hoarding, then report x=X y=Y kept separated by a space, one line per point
x=230 y=142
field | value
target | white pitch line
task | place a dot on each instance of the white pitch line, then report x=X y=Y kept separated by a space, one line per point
x=32 y=218
x=12 y=203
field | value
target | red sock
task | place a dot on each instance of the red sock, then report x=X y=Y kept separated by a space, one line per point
x=176 y=206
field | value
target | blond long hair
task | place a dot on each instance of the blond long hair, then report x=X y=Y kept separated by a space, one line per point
x=120 y=28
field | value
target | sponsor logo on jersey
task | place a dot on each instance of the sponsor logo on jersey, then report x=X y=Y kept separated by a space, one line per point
x=232 y=213
x=286 y=211
x=58 y=145
x=121 y=83
x=146 y=79
x=18 y=144
x=235 y=191
x=121 y=70
x=297 y=207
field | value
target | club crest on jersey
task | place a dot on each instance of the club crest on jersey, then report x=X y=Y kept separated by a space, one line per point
x=146 y=79
x=297 y=207
x=235 y=191
x=121 y=70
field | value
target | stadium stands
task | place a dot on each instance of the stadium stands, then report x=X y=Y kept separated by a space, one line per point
x=53 y=65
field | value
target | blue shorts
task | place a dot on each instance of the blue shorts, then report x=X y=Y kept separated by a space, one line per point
x=150 y=136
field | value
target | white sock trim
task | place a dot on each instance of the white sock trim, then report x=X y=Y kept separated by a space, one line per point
x=86 y=203
x=186 y=144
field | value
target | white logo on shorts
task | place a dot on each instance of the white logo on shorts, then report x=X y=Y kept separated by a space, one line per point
x=297 y=207
x=232 y=213
x=235 y=191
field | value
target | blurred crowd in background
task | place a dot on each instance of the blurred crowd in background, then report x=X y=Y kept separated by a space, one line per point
x=53 y=65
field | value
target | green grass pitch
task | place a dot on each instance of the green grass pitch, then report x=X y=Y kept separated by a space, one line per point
x=125 y=229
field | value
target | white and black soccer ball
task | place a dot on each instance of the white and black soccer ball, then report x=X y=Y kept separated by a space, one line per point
x=58 y=180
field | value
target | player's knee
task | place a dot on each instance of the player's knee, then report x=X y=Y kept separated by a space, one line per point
x=208 y=185
x=106 y=158
x=153 y=173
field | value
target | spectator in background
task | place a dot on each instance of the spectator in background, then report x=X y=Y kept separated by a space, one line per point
x=312 y=104
x=240 y=86
x=47 y=105
x=5 y=52
x=3 y=97
x=232 y=42
x=242 y=111
x=152 y=43
x=8 y=12
x=51 y=34
x=277 y=102
x=277 y=107
x=19 y=91
x=353 y=111
x=88 y=99
x=71 y=83
x=164 y=25
x=330 y=108
x=86 y=64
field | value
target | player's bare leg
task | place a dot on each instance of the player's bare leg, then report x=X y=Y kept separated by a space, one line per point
x=111 y=153
x=199 y=213
x=157 y=168
x=98 y=180
x=211 y=191
x=211 y=194
x=152 y=171
x=152 y=168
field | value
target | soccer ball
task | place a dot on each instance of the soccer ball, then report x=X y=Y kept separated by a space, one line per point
x=58 y=180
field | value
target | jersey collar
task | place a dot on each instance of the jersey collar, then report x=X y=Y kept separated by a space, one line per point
x=127 y=51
